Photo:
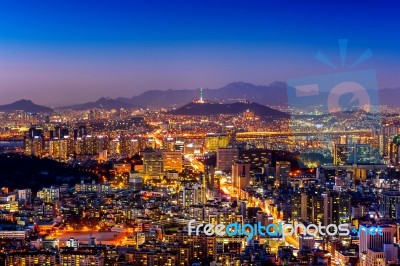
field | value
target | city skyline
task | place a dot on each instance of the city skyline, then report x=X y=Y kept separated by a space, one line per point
x=199 y=133
x=60 y=51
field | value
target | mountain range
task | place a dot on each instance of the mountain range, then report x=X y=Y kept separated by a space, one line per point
x=275 y=94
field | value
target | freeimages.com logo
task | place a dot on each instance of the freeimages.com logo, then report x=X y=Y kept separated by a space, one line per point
x=279 y=230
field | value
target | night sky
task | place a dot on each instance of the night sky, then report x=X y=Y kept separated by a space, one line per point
x=64 y=52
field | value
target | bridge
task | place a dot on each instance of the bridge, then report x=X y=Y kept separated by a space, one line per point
x=11 y=138
x=257 y=134
x=239 y=135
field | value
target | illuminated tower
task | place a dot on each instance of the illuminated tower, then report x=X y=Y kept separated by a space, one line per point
x=201 y=95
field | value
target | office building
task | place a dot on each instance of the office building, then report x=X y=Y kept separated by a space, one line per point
x=376 y=241
x=241 y=175
x=172 y=161
x=135 y=181
x=215 y=141
x=259 y=159
x=282 y=173
x=389 y=204
x=345 y=154
x=337 y=208
x=153 y=163
x=226 y=158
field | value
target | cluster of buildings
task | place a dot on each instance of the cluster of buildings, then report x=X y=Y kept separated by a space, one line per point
x=169 y=170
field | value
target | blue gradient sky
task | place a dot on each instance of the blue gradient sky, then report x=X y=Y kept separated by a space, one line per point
x=67 y=52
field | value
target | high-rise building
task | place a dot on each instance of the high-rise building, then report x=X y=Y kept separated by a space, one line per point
x=388 y=132
x=34 y=142
x=134 y=146
x=169 y=143
x=394 y=151
x=115 y=147
x=226 y=157
x=258 y=159
x=153 y=163
x=318 y=209
x=81 y=257
x=49 y=194
x=90 y=146
x=337 y=208
x=313 y=207
x=295 y=201
x=45 y=258
x=358 y=211
x=35 y=132
x=191 y=195
x=82 y=131
x=344 y=154
x=389 y=202
x=306 y=206
x=60 y=148
x=25 y=195
x=375 y=257
x=44 y=211
x=282 y=173
x=215 y=141
x=375 y=241
x=201 y=246
x=172 y=160
x=241 y=175
x=225 y=217
x=135 y=180
x=149 y=257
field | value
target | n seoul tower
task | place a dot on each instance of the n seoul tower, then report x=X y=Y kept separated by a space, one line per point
x=201 y=95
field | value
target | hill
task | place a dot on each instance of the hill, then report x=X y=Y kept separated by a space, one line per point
x=36 y=173
x=25 y=105
x=210 y=108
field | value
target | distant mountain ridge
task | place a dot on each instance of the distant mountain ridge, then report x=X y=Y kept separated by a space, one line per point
x=102 y=103
x=26 y=106
x=273 y=94
x=210 y=108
